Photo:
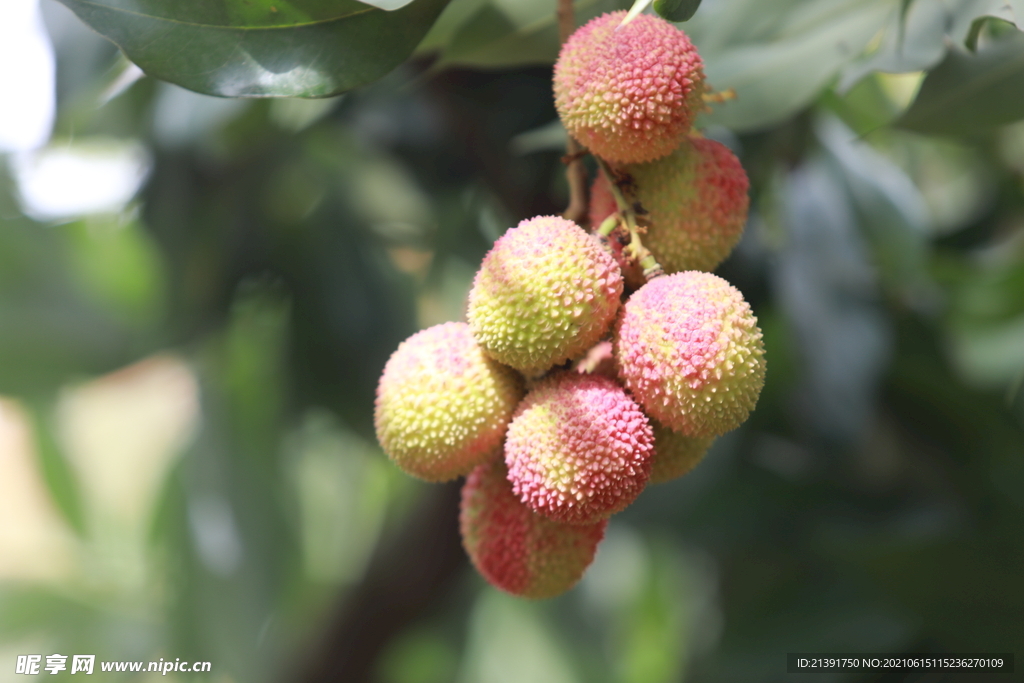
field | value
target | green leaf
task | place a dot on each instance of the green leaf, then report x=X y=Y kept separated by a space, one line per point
x=118 y=266
x=60 y=480
x=507 y=33
x=261 y=48
x=50 y=329
x=916 y=37
x=971 y=41
x=971 y=93
x=892 y=211
x=676 y=10
x=782 y=62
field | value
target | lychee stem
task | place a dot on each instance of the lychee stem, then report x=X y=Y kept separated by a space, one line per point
x=638 y=7
x=608 y=225
x=627 y=214
x=566 y=19
x=712 y=97
x=575 y=173
x=719 y=97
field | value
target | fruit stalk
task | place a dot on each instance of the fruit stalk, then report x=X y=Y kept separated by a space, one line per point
x=636 y=248
x=575 y=172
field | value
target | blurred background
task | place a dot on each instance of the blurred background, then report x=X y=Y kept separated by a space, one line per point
x=197 y=296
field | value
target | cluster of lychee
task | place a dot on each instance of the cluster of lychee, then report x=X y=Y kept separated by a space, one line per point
x=576 y=381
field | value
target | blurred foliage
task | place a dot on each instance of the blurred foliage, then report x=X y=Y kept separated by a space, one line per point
x=968 y=93
x=220 y=496
x=269 y=48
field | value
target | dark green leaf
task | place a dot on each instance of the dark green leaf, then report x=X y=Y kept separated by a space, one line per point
x=971 y=41
x=676 y=10
x=261 y=48
x=500 y=35
x=56 y=472
x=987 y=28
x=971 y=93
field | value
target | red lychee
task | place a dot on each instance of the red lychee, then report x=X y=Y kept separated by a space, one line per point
x=629 y=93
x=689 y=350
x=516 y=549
x=578 y=448
x=695 y=203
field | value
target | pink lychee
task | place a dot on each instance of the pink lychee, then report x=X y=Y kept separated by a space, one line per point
x=689 y=350
x=629 y=93
x=516 y=549
x=694 y=200
x=578 y=448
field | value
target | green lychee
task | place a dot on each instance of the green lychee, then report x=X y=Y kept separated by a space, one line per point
x=675 y=454
x=689 y=350
x=629 y=93
x=579 y=448
x=695 y=201
x=545 y=293
x=442 y=404
x=516 y=549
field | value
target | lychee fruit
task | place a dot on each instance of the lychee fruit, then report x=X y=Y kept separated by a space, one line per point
x=516 y=549
x=545 y=293
x=695 y=203
x=675 y=454
x=442 y=404
x=689 y=350
x=628 y=93
x=578 y=448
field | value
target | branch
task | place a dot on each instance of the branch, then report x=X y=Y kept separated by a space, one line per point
x=404 y=578
x=575 y=172
x=566 y=20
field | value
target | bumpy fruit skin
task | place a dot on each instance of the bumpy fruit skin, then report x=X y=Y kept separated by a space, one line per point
x=676 y=454
x=696 y=203
x=689 y=350
x=629 y=93
x=578 y=449
x=442 y=404
x=516 y=549
x=545 y=293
